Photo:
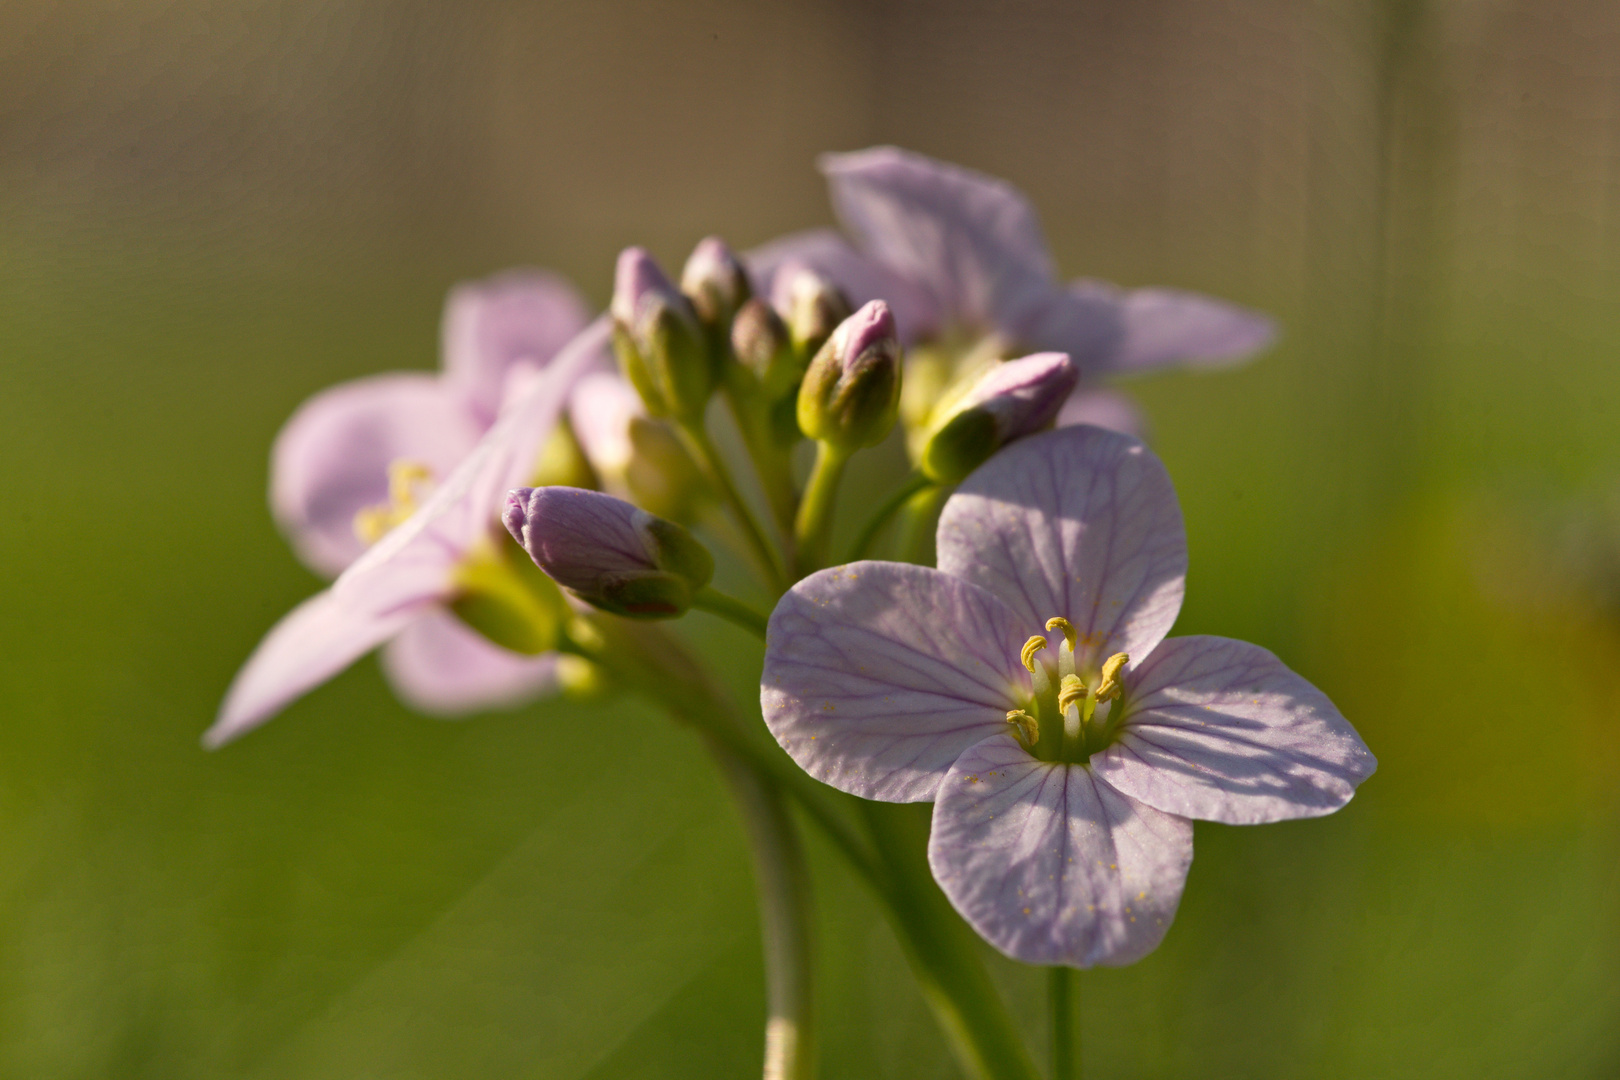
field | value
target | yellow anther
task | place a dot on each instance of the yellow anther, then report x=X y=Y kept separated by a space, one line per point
x=1058 y=622
x=1071 y=691
x=1031 y=647
x=406 y=480
x=1028 y=727
x=1108 y=689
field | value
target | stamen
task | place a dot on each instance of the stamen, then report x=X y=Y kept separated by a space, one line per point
x=1109 y=688
x=404 y=477
x=406 y=481
x=1028 y=727
x=1058 y=622
x=1027 y=654
x=1071 y=691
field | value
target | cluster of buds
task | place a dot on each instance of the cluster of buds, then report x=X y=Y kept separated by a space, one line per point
x=800 y=364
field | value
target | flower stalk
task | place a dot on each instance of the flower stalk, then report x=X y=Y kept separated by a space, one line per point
x=944 y=954
x=913 y=484
x=1063 y=1005
x=730 y=609
x=812 y=529
x=703 y=450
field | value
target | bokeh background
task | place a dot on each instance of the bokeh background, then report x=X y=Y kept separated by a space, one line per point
x=210 y=210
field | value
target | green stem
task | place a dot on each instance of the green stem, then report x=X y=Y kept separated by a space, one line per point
x=874 y=525
x=645 y=657
x=731 y=609
x=782 y=879
x=812 y=529
x=703 y=450
x=944 y=953
x=773 y=462
x=917 y=524
x=1063 y=1001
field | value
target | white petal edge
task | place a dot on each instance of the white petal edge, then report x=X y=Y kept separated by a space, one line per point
x=1222 y=730
x=312 y=642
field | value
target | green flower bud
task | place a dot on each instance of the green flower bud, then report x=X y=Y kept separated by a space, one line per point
x=660 y=343
x=1009 y=401
x=811 y=305
x=763 y=346
x=851 y=391
x=716 y=283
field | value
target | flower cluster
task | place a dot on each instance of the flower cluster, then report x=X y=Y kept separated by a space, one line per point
x=506 y=526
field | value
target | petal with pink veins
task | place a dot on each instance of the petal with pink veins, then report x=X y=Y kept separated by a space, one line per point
x=878 y=674
x=1078 y=522
x=1050 y=864
x=1222 y=730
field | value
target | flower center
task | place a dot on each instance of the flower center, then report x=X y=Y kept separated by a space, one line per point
x=409 y=482
x=1077 y=706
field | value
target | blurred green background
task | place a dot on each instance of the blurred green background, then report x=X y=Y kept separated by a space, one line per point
x=210 y=210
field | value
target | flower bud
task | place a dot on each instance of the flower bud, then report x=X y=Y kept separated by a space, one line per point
x=760 y=339
x=659 y=340
x=1011 y=400
x=609 y=553
x=811 y=305
x=716 y=283
x=851 y=391
x=633 y=455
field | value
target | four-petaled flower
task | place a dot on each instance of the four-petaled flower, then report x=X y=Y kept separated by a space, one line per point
x=356 y=458
x=960 y=257
x=1026 y=687
x=445 y=551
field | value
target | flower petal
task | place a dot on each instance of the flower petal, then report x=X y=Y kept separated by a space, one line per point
x=877 y=675
x=973 y=241
x=1078 y=522
x=1173 y=328
x=1089 y=325
x=312 y=642
x=601 y=408
x=489 y=325
x=440 y=666
x=1105 y=409
x=1051 y=865
x=916 y=312
x=1222 y=730
x=465 y=509
x=331 y=459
